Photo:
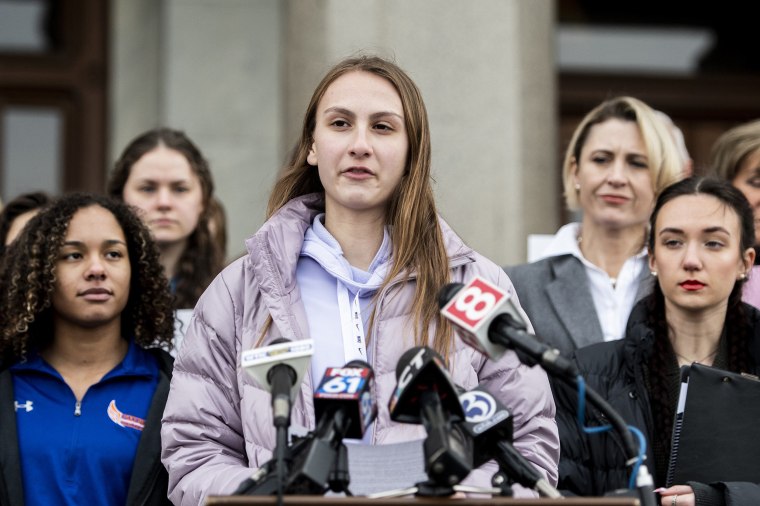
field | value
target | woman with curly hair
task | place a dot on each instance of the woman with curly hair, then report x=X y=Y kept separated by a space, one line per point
x=84 y=313
x=165 y=176
x=700 y=246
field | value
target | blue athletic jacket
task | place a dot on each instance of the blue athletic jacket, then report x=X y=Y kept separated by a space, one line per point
x=148 y=481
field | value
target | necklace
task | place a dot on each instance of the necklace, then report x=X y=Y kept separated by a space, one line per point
x=701 y=360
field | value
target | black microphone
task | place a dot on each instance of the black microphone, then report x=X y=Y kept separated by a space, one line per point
x=490 y=323
x=476 y=310
x=344 y=408
x=347 y=390
x=279 y=367
x=489 y=424
x=425 y=394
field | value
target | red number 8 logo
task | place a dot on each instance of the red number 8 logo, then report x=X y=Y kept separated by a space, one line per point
x=475 y=303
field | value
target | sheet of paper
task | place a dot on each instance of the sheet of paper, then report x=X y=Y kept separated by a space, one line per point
x=181 y=322
x=380 y=468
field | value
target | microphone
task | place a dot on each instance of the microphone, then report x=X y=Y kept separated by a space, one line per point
x=426 y=394
x=347 y=389
x=489 y=424
x=490 y=323
x=279 y=367
x=344 y=408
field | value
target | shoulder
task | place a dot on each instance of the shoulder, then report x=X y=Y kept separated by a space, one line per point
x=753 y=321
x=163 y=359
x=545 y=269
x=601 y=359
x=480 y=266
x=225 y=290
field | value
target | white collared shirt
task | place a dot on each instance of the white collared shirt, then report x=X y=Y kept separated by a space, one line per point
x=613 y=299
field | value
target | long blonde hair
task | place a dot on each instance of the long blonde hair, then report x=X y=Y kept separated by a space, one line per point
x=411 y=215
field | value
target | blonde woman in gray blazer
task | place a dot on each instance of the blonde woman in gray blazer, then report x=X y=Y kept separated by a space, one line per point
x=585 y=283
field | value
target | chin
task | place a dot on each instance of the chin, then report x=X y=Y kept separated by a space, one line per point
x=167 y=239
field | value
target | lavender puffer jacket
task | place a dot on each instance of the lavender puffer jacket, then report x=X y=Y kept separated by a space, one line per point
x=218 y=423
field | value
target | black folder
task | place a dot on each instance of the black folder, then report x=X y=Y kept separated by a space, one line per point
x=716 y=435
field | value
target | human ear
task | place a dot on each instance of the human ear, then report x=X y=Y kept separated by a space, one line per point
x=748 y=260
x=311 y=158
x=574 y=171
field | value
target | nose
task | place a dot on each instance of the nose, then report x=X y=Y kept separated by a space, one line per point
x=164 y=198
x=691 y=259
x=360 y=143
x=616 y=176
x=95 y=270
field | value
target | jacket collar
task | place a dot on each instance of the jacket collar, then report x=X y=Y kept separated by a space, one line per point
x=137 y=362
x=640 y=336
x=274 y=250
x=569 y=294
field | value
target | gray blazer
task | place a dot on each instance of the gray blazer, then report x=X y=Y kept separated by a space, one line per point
x=555 y=294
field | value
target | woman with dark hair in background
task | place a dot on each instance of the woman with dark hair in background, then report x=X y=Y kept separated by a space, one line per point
x=84 y=313
x=700 y=250
x=164 y=175
x=17 y=213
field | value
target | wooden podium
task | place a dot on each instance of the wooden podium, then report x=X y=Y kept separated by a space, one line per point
x=303 y=500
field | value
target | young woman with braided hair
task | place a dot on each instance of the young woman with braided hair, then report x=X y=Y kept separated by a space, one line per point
x=700 y=246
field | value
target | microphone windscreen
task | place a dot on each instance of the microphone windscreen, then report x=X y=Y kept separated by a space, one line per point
x=448 y=292
x=410 y=355
x=421 y=369
x=347 y=389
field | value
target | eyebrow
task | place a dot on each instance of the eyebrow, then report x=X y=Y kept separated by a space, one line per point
x=142 y=180
x=708 y=230
x=610 y=151
x=350 y=114
x=107 y=242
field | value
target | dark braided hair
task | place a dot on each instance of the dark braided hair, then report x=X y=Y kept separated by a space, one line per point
x=203 y=256
x=28 y=280
x=737 y=333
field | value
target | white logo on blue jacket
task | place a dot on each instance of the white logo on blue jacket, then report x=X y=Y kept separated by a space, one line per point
x=27 y=406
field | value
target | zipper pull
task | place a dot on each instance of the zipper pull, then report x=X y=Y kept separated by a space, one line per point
x=78 y=408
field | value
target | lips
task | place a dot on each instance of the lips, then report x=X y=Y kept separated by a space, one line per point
x=162 y=222
x=692 y=285
x=96 y=294
x=358 y=172
x=614 y=199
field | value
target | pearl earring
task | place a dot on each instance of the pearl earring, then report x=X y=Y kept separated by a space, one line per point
x=742 y=276
x=654 y=273
x=577 y=187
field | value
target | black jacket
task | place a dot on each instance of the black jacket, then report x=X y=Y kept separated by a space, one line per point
x=150 y=481
x=591 y=465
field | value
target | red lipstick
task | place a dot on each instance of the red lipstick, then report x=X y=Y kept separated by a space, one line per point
x=692 y=285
